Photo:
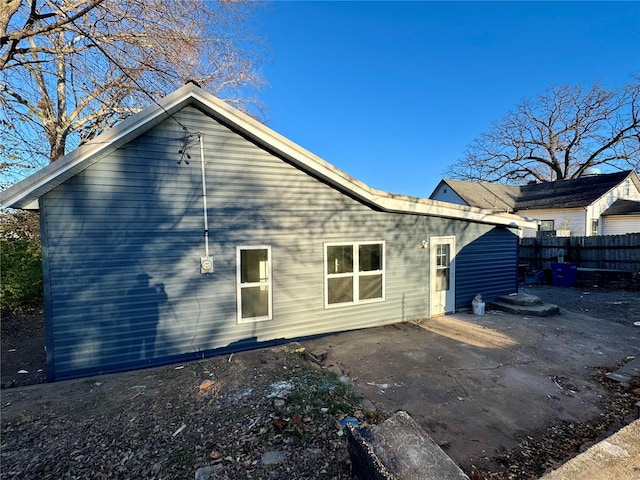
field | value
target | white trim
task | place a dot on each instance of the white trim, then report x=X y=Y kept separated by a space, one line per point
x=433 y=242
x=85 y=155
x=355 y=274
x=24 y=193
x=239 y=285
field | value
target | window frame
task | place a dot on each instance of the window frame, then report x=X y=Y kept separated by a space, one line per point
x=445 y=267
x=355 y=274
x=548 y=222
x=240 y=285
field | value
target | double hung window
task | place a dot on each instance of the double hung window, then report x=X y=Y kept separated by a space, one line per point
x=354 y=273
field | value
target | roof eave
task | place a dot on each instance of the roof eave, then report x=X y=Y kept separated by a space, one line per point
x=449 y=210
x=311 y=163
x=26 y=193
x=632 y=176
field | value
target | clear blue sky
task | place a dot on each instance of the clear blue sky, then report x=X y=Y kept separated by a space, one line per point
x=393 y=92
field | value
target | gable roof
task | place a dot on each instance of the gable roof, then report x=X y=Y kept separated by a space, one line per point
x=623 y=207
x=492 y=196
x=26 y=193
x=578 y=192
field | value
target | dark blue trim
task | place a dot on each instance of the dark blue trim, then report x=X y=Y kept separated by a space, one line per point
x=235 y=347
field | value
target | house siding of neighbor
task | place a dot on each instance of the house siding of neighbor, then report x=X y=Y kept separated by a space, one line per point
x=123 y=237
x=575 y=205
x=572 y=219
x=623 y=216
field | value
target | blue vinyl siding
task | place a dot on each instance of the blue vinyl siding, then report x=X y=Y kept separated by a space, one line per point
x=488 y=266
x=139 y=211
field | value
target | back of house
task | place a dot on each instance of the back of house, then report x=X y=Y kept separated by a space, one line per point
x=191 y=229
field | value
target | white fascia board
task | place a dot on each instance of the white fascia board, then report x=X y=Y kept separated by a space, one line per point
x=341 y=180
x=281 y=145
x=421 y=206
x=632 y=177
x=635 y=179
x=25 y=194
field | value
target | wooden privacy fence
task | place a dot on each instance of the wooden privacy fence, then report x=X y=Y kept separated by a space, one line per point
x=610 y=252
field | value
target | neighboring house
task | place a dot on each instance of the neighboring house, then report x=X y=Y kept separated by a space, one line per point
x=191 y=229
x=623 y=216
x=568 y=207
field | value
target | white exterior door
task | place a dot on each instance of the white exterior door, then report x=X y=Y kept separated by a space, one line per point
x=442 y=254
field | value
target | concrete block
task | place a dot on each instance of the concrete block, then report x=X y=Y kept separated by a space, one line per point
x=631 y=369
x=398 y=448
x=618 y=377
x=543 y=310
x=523 y=299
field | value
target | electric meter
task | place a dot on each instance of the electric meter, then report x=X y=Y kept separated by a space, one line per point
x=206 y=264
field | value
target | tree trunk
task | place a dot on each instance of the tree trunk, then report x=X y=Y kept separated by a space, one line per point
x=57 y=147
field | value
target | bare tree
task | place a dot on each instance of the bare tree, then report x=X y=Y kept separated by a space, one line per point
x=71 y=68
x=563 y=133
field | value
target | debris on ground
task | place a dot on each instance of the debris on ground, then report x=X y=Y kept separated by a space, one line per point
x=195 y=422
x=270 y=413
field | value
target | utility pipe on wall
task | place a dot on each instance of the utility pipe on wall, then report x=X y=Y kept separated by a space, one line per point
x=204 y=195
x=206 y=262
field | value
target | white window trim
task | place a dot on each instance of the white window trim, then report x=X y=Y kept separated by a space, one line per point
x=240 y=285
x=355 y=274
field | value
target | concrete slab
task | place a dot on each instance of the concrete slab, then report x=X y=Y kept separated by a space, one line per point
x=476 y=384
x=616 y=458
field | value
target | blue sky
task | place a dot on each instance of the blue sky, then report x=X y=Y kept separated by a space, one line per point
x=393 y=92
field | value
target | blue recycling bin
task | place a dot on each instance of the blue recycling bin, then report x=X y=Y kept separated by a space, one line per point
x=564 y=274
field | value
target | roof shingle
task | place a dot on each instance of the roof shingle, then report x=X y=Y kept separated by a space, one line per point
x=578 y=192
x=623 y=207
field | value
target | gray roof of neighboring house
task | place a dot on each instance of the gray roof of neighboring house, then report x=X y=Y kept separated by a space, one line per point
x=579 y=192
x=492 y=196
x=623 y=207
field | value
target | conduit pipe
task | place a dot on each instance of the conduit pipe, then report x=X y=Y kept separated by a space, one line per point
x=204 y=195
x=206 y=262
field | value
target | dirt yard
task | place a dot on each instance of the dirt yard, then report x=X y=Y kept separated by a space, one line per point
x=274 y=413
